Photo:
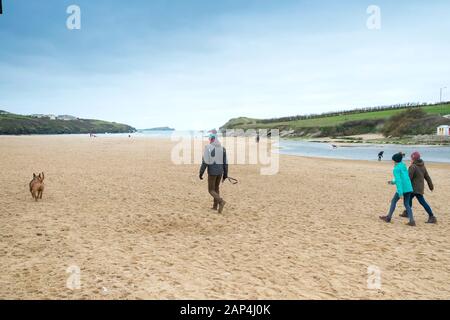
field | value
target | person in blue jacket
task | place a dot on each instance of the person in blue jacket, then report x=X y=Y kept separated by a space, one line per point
x=404 y=189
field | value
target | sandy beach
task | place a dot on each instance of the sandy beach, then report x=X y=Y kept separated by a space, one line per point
x=140 y=227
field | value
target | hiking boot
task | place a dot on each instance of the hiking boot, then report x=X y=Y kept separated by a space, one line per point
x=404 y=214
x=221 y=205
x=432 y=220
x=385 y=219
x=411 y=224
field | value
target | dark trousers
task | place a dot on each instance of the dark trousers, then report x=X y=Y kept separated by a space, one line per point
x=422 y=202
x=214 y=188
x=406 y=202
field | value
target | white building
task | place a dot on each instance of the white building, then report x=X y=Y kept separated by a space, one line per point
x=50 y=116
x=443 y=131
x=66 y=117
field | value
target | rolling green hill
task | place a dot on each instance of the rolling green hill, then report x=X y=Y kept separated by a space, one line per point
x=344 y=123
x=14 y=124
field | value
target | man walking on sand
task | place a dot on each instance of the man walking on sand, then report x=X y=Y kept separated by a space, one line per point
x=215 y=160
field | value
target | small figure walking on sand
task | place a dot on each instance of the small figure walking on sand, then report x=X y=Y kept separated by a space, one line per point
x=418 y=173
x=257 y=137
x=404 y=189
x=380 y=155
x=215 y=160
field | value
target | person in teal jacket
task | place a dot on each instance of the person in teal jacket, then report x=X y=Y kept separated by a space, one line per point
x=404 y=189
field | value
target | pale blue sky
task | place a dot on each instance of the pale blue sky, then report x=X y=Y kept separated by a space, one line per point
x=194 y=64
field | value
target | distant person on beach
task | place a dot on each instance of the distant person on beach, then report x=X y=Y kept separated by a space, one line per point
x=404 y=189
x=418 y=173
x=380 y=155
x=215 y=160
x=257 y=137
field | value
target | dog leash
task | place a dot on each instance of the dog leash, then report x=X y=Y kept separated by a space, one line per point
x=233 y=180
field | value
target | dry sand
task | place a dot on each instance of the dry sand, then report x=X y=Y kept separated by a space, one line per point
x=140 y=227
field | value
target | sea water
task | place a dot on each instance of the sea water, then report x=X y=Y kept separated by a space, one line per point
x=362 y=151
x=325 y=150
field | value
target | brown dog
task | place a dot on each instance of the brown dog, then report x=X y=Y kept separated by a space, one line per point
x=33 y=181
x=37 y=186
